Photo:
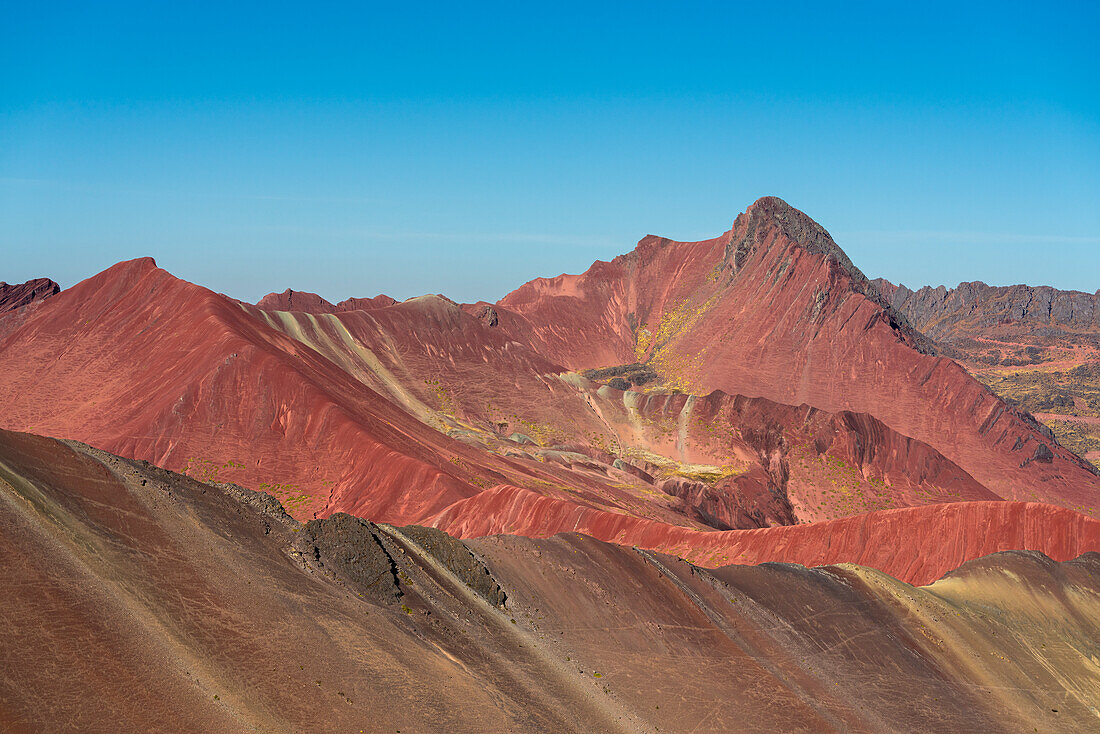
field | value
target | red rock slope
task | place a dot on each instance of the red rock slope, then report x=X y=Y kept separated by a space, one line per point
x=304 y=302
x=396 y=412
x=773 y=308
x=152 y=367
x=915 y=544
x=464 y=416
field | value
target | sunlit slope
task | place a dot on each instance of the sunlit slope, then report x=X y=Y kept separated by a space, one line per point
x=773 y=308
x=198 y=607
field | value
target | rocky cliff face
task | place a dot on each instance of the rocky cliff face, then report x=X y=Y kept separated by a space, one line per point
x=20 y=294
x=1037 y=347
x=943 y=313
x=17 y=302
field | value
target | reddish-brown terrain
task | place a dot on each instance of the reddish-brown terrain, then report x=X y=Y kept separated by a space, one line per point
x=774 y=309
x=1036 y=347
x=670 y=399
x=19 y=300
x=140 y=600
x=605 y=445
x=917 y=545
x=16 y=296
x=303 y=302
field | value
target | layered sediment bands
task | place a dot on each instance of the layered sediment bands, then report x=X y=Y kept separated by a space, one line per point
x=828 y=465
x=748 y=500
x=192 y=606
x=154 y=368
x=429 y=412
x=395 y=413
x=329 y=412
x=773 y=309
x=916 y=544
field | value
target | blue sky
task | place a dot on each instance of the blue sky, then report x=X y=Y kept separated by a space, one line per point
x=352 y=149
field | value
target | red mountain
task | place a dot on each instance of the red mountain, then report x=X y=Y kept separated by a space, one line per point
x=155 y=368
x=474 y=419
x=305 y=302
x=773 y=308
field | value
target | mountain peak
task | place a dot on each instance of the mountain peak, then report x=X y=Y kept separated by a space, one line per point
x=770 y=218
x=122 y=275
x=136 y=265
x=291 y=300
x=770 y=213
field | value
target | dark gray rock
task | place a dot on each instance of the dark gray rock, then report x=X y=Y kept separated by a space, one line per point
x=347 y=549
x=458 y=559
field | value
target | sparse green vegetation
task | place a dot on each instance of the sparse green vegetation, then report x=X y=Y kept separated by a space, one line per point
x=447 y=403
x=208 y=470
x=1071 y=392
x=1080 y=438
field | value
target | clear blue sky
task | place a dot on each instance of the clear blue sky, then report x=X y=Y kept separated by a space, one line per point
x=350 y=149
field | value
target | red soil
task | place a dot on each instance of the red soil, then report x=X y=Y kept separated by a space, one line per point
x=151 y=367
x=917 y=545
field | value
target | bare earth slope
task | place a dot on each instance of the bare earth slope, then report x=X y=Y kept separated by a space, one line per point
x=916 y=544
x=184 y=606
x=396 y=412
x=152 y=367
